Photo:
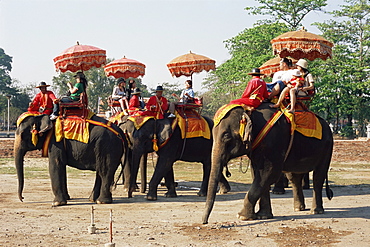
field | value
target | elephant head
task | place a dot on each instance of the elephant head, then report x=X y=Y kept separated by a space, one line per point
x=30 y=135
x=143 y=140
x=227 y=144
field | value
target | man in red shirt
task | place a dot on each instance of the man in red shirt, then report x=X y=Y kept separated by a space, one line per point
x=255 y=92
x=43 y=101
x=157 y=105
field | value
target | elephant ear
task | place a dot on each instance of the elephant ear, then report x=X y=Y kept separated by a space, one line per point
x=246 y=130
x=44 y=123
x=164 y=130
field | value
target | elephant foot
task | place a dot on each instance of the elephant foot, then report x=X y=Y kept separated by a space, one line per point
x=300 y=208
x=224 y=189
x=264 y=216
x=317 y=211
x=170 y=194
x=278 y=191
x=104 y=201
x=202 y=193
x=246 y=218
x=151 y=197
x=57 y=204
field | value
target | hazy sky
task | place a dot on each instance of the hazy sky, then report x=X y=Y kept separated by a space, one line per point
x=153 y=32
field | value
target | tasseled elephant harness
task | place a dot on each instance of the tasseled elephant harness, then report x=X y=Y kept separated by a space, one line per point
x=192 y=125
x=304 y=122
x=74 y=128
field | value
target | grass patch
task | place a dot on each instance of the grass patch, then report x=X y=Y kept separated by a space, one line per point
x=340 y=174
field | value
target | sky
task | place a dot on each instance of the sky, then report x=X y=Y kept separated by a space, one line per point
x=153 y=32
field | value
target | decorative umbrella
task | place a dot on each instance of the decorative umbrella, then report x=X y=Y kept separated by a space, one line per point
x=80 y=58
x=190 y=63
x=302 y=44
x=273 y=65
x=125 y=68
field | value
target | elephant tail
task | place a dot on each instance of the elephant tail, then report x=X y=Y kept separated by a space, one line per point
x=118 y=178
x=329 y=192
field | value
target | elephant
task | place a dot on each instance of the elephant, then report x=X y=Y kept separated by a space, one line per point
x=271 y=157
x=102 y=154
x=196 y=149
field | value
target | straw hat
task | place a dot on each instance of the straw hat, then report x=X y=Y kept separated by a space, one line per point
x=42 y=84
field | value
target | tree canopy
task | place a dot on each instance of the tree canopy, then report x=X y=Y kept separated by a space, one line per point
x=291 y=12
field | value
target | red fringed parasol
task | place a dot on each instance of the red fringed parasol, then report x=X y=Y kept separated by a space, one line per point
x=302 y=44
x=273 y=65
x=190 y=63
x=124 y=68
x=80 y=58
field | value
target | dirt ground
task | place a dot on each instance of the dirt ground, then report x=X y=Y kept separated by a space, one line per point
x=174 y=221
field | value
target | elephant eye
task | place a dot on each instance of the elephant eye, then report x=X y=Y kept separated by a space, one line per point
x=226 y=136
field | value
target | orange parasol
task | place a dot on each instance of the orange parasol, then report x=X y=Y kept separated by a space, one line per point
x=80 y=58
x=125 y=68
x=272 y=65
x=190 y=63
x=302 y=44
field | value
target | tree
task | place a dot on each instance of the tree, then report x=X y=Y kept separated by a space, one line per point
x=5 y=68
x=251 y=48
x=344 y=80
x=291 y=12
x=248 y=50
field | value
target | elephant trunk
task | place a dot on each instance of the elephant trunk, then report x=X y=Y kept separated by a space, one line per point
x=214 y=178
x=19 y=153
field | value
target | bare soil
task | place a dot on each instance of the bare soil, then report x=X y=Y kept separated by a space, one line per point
x=178 y=221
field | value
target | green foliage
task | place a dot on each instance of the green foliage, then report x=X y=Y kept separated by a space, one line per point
x=291 y=12
x=5 y=68
x=249 y=49
x=343 y=81
x=18 y=99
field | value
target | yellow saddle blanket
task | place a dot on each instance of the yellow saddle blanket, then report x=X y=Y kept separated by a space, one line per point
x=73 y=127
x=223 y=110
x=193 y=125
x=139 y=120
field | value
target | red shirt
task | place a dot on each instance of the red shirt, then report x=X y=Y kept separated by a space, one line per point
x=254 y=93
x=161 y=106
x=44 y=100
x=134 y=104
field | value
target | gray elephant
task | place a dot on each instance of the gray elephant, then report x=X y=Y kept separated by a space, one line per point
x=269 y=159
x=171 y=148
x=102 y=154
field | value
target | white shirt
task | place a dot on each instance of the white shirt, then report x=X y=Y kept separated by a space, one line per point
x=288 y=75
x=277 y=76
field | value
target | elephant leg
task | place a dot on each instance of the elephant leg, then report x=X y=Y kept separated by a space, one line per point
x=126 y=177
x=105 y=196
x=96 y=190
x=250 y=200
x=163 y=167
x=265 y=210
x=169 y=179
x=306 y=181
x=298 y=196
x=143 y=172
x=318 y=181
x=205 y=180
x=224 y=185
x=58 y=176
x=280 y=185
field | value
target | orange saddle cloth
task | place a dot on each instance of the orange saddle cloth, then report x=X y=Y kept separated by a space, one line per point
x=73 y=127
x=192 y=124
